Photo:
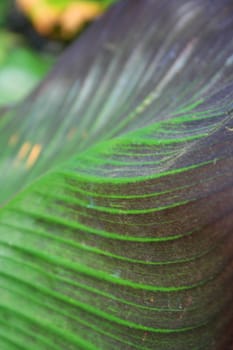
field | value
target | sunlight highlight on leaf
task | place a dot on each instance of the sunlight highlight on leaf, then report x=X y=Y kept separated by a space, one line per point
x=24 y=151
x=33 y=156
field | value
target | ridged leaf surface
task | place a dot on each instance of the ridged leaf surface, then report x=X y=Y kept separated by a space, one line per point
x=116 y=188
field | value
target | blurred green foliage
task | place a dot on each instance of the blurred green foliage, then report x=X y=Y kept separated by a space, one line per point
x=21 y=68
x=64 y=2
x=4 y=7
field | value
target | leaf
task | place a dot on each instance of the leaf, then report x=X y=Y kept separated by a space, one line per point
x=117 y=196
x=4 y=7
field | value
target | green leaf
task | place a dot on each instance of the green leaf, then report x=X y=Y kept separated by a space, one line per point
x=4 y=8
x=21 y=69
x=116 y=188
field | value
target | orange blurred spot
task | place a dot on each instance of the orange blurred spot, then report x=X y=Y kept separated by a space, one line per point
x=68 y=18
x=33 y=156
x=23 y=151
x=45 y=18
x=77 y=14
x=43 y=15
x=26 y=5
x=13 y=139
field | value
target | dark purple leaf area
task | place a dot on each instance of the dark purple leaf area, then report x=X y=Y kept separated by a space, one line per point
x=119 y=235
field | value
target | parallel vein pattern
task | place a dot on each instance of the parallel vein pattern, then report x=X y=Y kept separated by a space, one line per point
x=117 y=193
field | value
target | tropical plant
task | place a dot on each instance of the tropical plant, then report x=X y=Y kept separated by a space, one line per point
x=116 y=187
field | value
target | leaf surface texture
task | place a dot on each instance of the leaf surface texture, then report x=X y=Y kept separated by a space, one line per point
x=116 y=200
